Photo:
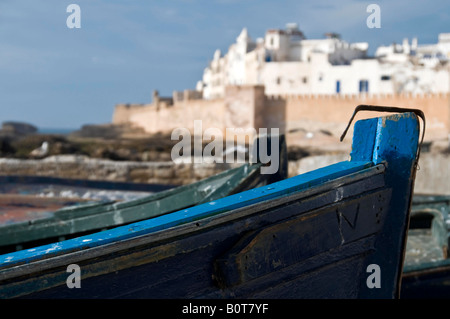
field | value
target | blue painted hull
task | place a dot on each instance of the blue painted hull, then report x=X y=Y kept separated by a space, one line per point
x=338 y=232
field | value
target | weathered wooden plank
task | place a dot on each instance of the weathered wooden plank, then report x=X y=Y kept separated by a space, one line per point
x=300 y=238
x=310 y=199
x=249 y=197
x=397 y=145
x=363 y=144
x=199 y=247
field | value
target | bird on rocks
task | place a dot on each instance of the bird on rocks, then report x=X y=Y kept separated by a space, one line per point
x=40 y=151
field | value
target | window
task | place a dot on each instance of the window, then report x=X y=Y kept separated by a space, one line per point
x=363 y=86
x=278 y=80
x=305 y=79
x=385 y=77
x=338 y=86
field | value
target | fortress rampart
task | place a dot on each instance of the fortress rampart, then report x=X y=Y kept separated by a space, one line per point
x=248 y=106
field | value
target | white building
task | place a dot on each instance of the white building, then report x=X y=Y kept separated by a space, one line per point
x=429 y=55
x=417 y=68
x=285 y=62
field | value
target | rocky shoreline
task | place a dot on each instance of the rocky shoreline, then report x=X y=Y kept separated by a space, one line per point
x=84 y=167
x=107 y=142
x=114 y=153
x=431 y=178
x=95 y=141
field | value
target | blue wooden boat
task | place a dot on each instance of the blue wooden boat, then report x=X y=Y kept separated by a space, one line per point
x=426 y=273
x=336 y=232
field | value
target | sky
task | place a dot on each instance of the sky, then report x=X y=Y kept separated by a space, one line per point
x=53 y=76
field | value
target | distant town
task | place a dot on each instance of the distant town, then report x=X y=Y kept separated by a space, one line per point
x=286 y=62
x=280 y=80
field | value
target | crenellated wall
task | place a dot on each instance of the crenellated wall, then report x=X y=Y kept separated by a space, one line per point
x=237 y=110
x=248 y=106
x=334 y=111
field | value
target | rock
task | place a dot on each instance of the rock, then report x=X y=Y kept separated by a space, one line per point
x=63 y=147
x=70 y=158
x=5 y=147
x=106 y=131
x=164 y=170
x=141 y=175
x=296 y=152
x=17 y=128
x=93 y=130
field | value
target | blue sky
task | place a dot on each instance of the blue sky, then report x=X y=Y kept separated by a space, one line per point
x=53 y=76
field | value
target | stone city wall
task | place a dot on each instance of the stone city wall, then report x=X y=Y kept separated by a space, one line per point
x=334 y=111
x=248 y=106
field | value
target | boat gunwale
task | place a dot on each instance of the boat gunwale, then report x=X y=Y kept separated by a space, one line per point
x=429 y=204
x=427 y=268
x=109 y=205
x=45 y=262
x=98 y=210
